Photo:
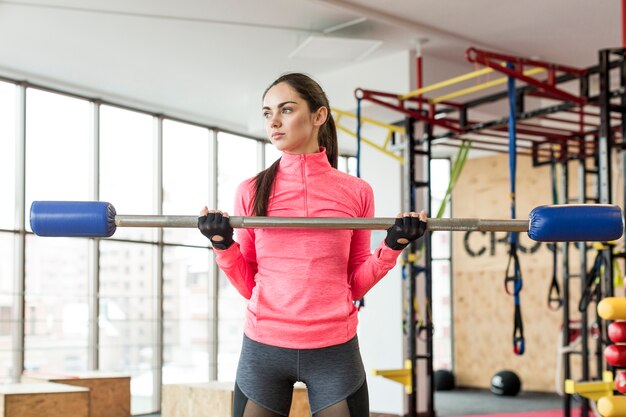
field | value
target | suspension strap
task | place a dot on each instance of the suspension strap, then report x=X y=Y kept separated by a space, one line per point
x=516 y=276
x=592 y=281
x=513 y=285
x=455 y=173
x=420 y=324
x=555 y=301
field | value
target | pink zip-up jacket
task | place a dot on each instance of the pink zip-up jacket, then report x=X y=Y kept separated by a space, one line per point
x=302 y=282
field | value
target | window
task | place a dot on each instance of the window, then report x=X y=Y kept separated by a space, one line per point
x=7 y=221
x=127 y=327
x=187 y=315
x=56 y=269
x=237 y=158
x=7 y=155
x=54 y=125
x=271 y=154
x=7 y=295
x=56 y=309
x=127 y=176
x=186 y=176
x=347 y=164
x=58 y=274
x=441 y=273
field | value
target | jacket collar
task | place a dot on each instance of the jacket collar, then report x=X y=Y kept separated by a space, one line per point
x=313 y=162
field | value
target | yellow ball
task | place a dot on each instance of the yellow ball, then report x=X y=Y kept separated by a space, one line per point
x=612 y=308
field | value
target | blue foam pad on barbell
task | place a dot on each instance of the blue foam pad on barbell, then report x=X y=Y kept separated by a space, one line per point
x=576 y=223
x=72 y=218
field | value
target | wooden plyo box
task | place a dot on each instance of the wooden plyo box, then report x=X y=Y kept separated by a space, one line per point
x=109 y=392
x=43 y=399
x=215 y=399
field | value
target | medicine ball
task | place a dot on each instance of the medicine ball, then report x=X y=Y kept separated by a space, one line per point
x=444 y=380
x=505 y=383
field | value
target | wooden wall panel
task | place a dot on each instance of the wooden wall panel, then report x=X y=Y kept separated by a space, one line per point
x=482 y=311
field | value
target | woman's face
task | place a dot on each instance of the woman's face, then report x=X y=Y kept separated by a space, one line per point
x=289 y=123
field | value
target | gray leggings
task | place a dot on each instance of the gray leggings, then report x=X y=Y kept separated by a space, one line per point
x=266 y=374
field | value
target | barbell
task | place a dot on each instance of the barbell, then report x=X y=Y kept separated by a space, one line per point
x=551 y=223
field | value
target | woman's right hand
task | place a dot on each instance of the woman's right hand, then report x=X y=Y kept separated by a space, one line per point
x=214 y=224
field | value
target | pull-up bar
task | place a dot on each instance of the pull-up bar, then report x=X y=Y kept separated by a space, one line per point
x=446 y=83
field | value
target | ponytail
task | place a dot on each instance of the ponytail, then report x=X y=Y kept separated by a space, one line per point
x=328 y=139
x=264 y=185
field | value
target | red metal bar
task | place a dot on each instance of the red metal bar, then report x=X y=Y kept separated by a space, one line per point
x=409 y=112
x=560 y=120
x=525 y=151
x=532 y=138
x=416 y=99
x=486 y=132
x=476 y=55
x=545 y=94
x=486 y=58
x=486 y=142
x=533 y=132
x=538 y=133
x=591 y=114
x=370 y=93
x=557 y=129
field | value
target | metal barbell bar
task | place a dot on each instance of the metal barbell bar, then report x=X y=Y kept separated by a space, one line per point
x=351 y=223
x=555 y=223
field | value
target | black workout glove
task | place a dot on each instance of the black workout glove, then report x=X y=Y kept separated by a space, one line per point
x=215 y=225
x=407 y=227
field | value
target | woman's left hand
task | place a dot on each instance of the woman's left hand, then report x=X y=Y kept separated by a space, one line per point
x=409 y=226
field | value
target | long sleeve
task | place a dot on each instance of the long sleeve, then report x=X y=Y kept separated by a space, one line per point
x=365 y=268
x=239 y=261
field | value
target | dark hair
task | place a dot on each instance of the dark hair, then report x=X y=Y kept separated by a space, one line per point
x=311 y=92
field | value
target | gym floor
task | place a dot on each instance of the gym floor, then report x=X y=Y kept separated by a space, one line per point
x=464 y=402
x=461 y=402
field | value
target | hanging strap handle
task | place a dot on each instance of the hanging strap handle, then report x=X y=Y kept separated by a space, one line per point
x=518 y=330
x=555 y=301
x=513 y=280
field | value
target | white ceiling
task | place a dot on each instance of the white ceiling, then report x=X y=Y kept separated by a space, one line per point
x=209 y=60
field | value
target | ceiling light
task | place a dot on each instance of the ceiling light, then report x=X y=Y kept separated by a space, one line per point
x=326 y=47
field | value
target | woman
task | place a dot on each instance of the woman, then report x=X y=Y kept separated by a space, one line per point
x=301 y=319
